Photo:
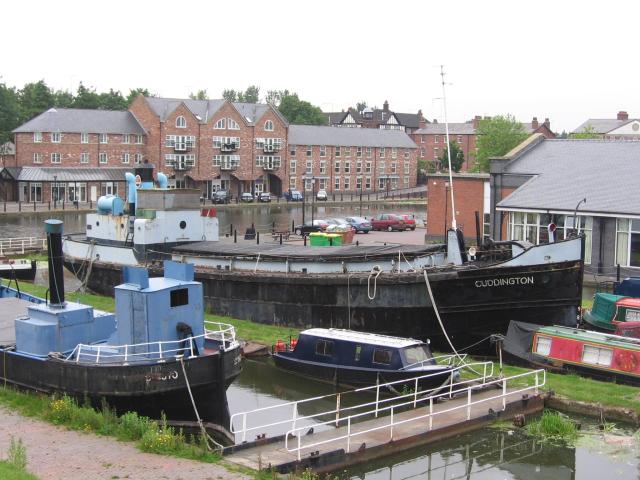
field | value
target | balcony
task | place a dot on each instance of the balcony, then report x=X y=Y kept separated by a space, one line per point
x=229 y=147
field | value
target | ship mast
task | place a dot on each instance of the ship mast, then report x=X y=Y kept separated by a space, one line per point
x=446 y=130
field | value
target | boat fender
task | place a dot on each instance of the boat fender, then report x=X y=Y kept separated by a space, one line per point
x=279 y=347
x=626 y=361
x=293 y=343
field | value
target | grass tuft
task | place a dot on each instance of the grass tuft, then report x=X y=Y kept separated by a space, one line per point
x=553 y=426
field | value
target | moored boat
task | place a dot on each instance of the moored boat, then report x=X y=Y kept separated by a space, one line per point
x=18 y=268
x=598 y=355
x=150 y=357
x=611 y=309
x=347 y=357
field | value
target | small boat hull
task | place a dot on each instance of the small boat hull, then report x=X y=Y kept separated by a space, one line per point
x=20 y=271
x=356 y=377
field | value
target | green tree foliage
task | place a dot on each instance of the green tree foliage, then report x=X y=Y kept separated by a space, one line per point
x=199 y=95
x=86 y=98
x=113 y=100
x=457 y=157
x=587 y=132
x=250 y=95
x=63 y=99
x=274 y=97
x=360 y=106
x=9 y=112
x=496 y=136
x=34 y=99
x=299 y=112
x=137 y=91
x=230 y=95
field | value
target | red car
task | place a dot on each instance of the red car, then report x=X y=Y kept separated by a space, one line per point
x=389 y=222
x=409 y=221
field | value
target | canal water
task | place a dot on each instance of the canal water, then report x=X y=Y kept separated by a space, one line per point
x=490 y=453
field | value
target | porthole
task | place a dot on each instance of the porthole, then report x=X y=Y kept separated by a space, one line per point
x=183 y=224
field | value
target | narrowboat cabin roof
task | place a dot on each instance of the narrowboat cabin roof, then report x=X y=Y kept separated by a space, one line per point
x=591 y=336
x=361 y=337
x=629 y=302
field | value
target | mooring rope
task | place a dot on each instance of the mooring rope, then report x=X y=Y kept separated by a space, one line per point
x=203 y=430
x=375 y=273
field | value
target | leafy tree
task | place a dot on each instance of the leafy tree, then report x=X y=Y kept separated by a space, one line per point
x=230 y=95
x=360 y=106
x=457 y=157
x=275 y=96
x=34 y=99
x=113 y=100
x=496 y=136
x=250 y=95
x=199 y=95
x=86 y=98
x=133 y=93
x=299 y=112
x=63 y=99
x=9 y=112
x=587 y=132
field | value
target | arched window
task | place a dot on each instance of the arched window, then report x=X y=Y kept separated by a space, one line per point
x=232 y=124
x=181 y=122
x=220 y=124
x=268 y=126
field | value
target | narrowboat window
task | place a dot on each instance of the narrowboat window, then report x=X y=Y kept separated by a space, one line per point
x=358 y=352
x=416 y=354
x=179 y=297
x=632 y=316
x=597 y=356
x=324 y=347
x=382 y=356
x=543 y=346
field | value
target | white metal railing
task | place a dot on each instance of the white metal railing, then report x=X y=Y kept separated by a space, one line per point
x=291 y=408
x=348 y=434
x=21 y=244
x=160 y=351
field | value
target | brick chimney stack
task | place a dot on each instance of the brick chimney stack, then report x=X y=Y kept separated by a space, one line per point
x=422 y=122
x=385 y=106
x=476 y=121
x=622 y=115
x=534 y=123
x=547 y=123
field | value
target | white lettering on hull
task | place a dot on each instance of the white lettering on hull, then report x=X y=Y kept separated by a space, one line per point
x=502 y=282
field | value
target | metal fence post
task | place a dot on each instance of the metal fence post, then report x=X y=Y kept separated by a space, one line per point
x=391 y=424
x=348 y=434
x=504 y=394
x=469 y=403
x=430 y=413
x=338 y=410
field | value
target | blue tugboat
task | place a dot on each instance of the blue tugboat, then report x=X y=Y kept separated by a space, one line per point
x=148 y=357
x=347 y=357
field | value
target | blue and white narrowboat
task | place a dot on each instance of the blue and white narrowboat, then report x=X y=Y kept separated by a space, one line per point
x=348 y=357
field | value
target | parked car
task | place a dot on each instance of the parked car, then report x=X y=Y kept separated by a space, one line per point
x=387 y=221
x=341 y=222
x=409 y=221
x=221 y=196
x=360 y=224
x=264 y=197
x=308 y=227
x=293 y=196
x=246 y=197
x=321 y=195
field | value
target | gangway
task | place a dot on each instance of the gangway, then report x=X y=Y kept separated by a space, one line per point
x=349 y=432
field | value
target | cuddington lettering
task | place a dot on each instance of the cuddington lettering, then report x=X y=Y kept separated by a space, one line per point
x=501 y=282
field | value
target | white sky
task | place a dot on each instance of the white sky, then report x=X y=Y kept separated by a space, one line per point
x=566 y=60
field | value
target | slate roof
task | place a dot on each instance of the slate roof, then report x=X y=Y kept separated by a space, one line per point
x=565 y=171
x=380 y=116
x=46 y=174
x=454 y=129
x=602 y=125
x=76 y=120
x=347 y=137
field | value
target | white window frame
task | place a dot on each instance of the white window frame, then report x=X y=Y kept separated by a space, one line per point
x=104 y=138
x=125 y=158
x=232 y=124
x=543 y=345
x=394 y=152
x=268 y=126
x=84 y=157
x=139 y=139
x=625 y=230
x=37 y=137
x=309 y=150
x=336 y=184
x=56 y=158
x=323 y=167
x=382 y=152
x=84 y=138
x=347 y=166
x=56 y=137
x=293 y=150
x=337 y=151
x=309 y=167
x=347 y=183
x=292 y=166
x=181 y=122
x=137 y=159
x=221 y=124
x=37 y=157
x=323 y=151
x=103 y=158
x=126 y=139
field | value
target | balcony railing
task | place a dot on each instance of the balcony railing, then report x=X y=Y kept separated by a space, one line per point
x=229 y=165
x=229 y=147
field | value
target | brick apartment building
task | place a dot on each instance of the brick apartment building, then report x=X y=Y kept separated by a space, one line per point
x=431 y=139
x=619 y=128
x=380 y=118
x=207 y=144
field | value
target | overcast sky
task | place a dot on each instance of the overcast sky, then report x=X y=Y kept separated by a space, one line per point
x=565 y=60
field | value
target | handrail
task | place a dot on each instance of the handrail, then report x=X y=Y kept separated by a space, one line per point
x=225 y=334
x=487 y=369
x=430 y=399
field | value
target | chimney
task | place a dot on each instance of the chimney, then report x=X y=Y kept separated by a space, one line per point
x=422 y=122
x=385 y=106
x=435 y=120
x=534 y=123
x=547 y=123
x=476 y=121
x=622 y=115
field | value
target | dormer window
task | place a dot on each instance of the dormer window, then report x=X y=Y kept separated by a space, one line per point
x=268 y=126
x=181 y=122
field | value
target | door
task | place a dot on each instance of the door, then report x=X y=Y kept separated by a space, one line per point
x=35 y=192
x=94 y=193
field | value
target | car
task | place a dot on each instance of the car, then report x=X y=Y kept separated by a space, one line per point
x=409 y=221
x=264 y=197
x=360 y=224
x=309 y=227
x=388 y=221
x=221 y=196
x=293 y=196
x=339 y=222
x=246 y=197
x=321 y=195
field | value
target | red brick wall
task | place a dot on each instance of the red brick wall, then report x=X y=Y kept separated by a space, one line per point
x=469 y=198
x=428 y=142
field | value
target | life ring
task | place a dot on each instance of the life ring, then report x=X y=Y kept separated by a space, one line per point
x=627 y=361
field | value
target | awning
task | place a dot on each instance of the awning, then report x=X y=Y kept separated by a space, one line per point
x=53 y=174
x=246 y=176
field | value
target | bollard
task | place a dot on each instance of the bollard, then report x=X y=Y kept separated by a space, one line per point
x=330 y=242
x=235 y=236
x=257 y=238
x=273 y=225
x=341 y=198
x=357 y=243
x=63 y=204
x=280 y=239
x=5 y=206
x=19 y=206
x=304 y=239
x=230 y=229
x=49 y=207
x=293 y=223
x=34 y=205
